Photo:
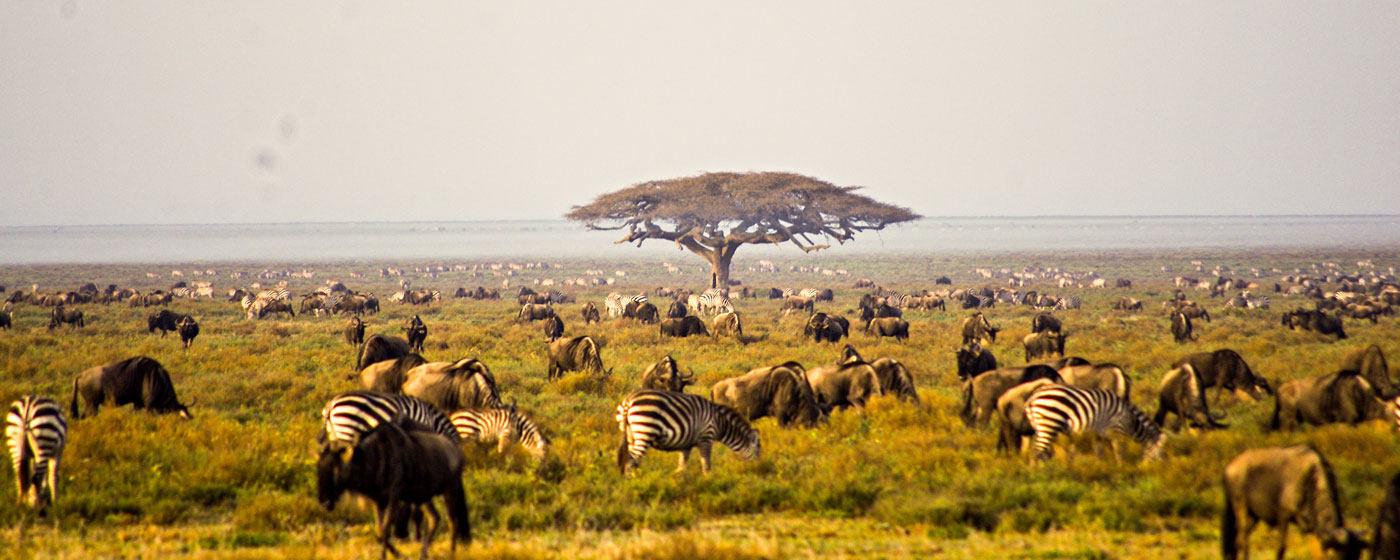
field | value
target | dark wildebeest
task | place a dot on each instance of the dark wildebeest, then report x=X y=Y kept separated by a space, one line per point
x=645 y=312
x=1014 y=427
x=380 y=347
x=1225 y=369
x=164 y=320
x=895 y=379
x=666 y=375
x=677 y=310
x=6 y=321
x=1184 y=395
x=400 y=466
x=535 y=312
x=888 y=326
x=683 y=327
x=1043 y=322
x=1044 y=345
x=388 y=376
x=823 y=328
x=973 y=360
x=1385 y=541
x=774 y=293
x=553 y=328
x=980 y=393
x=1370 y=363
x=1190 y=309
x=1181 y=328
x=452 y=386
x=1343 y=397
x=851 y=382
x=1282 y=486
x=728 y=324
x=355 y=331
x=976 y=328
x=188 y=329
x=1316 y=321
x=1123 y=283
x=781 y=392
x=590 y=314
x=61 y=316
x=141 y=382
x=579 y=353
x=416 y=332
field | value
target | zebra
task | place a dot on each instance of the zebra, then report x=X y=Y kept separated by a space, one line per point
x=350 y=415
x=503 y=425
x=1055 y=409
x=713 y=302
x=810 y=293
x=617 y=303
x=1071 y=302
x=182 y=292
x=671 y=421
x=36 y=433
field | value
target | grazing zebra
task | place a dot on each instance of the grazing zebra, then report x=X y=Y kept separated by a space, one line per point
x=182 y=292
x=810 y=293
x=503 y=425
x=36 y=433
x=350 y=415
x=679 y=422
x=1071 y=302
x=1055 y=409
x=713 y=302
x=617 y=303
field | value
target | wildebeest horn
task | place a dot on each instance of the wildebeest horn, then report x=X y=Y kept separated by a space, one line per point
x=689 y=374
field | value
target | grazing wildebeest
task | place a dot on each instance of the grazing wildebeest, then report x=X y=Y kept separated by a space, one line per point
x=980 y=393
x=1044 y=345
x=677 y=309
x=1370 y=363
x=590 y=314
x=164 y=320
x=1109 y=377
x=976 y=328
x=1316 y=321
x=388 y=376
x=1181 y=328
x=400 y=466
x=416 y=332
x=1226 y=370
x=1282 y=486
x=781 y=392
x=535 y=312
x=553 y=328
x=643 y=311
x=1014 y=428
x=895 y=379
x=140 y=381
x=380 y=347
x=61 y=316
x=824 y=328
x=888 y=326
x=1126 y=303
x=973 y=360
x=851 y=382
x=1188 y=308
x=666 y=375
x=683 y=327
x=6 y=320
x=452 y=386
x=355 y=331
x=1343 y=397
x=188 y=329
x=1385 y=541
x=1043 y=322
x=1183 y=394
x=799 y=303
x=579 y=353
x=728 y=324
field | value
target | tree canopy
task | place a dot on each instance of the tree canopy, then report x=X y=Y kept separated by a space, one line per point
x=715 y=213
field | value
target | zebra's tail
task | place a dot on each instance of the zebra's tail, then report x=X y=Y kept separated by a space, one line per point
x=624 y=453
x=1229 y=528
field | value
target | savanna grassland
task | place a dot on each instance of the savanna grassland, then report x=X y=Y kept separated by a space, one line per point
x=892 y=480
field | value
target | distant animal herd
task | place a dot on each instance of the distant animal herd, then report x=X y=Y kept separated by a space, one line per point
x=395 y=440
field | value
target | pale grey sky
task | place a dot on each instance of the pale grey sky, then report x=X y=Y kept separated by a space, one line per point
x=191 y=112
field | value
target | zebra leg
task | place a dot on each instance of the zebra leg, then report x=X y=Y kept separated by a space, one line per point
x=1044 y=442
x=685 y=454
x=53 y=480
x=705 y=456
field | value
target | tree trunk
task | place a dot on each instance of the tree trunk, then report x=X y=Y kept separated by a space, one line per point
x=719 y=267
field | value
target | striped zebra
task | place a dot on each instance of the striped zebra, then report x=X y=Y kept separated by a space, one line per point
x=617 y=303
x=679 y=422
x=713 y=302
x=505 y=425
x=1071 y=302
x=1055 y=409
x=36 y=433
x=810 y=293
x=350 y=415
x=182 y=292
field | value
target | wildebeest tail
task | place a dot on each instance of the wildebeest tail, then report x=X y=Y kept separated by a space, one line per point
x=460 y=513
x=1229 y=527
x=1274 y=423
x=73 y=404
x=966 y=411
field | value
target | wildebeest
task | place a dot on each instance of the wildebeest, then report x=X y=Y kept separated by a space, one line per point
x=851 y=382
x=1282 y=486
x=590 y=314
x=1370 y=363
x=553 y=328
x=400 y=466
x=1225 y=370
x=728 y=324
x=980 y=393
x=1385 y=541
x=380 y=347
x=824 y=328
x=1316 y=321
x=677 y=309
x=1109 y=377
x=6 y=320
x=452 y=386
x=1188 y=308
x=1343 y=397
x=1181 y=328
x=643 y=311
x=1013 y=427
x=140 y=381
x=163 y=320
x=1126 y=303
x=781 y=392
x=388 y=376
x=799 y=303
x=1183 y=394
x=973 y=360
x=1044 y=345
x=416 y=332
x=61 y=316
x=535 y=312
x=895 y=379
x=1043 y=322
x=683 y=327
x=188 y=329
x=579 y=353
x=666 y=375
x=355 y=331
x=976 y=328
x=888 y=326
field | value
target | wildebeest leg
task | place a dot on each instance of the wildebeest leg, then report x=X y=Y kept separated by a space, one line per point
x=705 y=456
x=685 y=454
x=385 y=514
x=1282 y=539
x=434 y=520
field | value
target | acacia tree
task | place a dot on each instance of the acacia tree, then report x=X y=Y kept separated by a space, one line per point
x=714 y=214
